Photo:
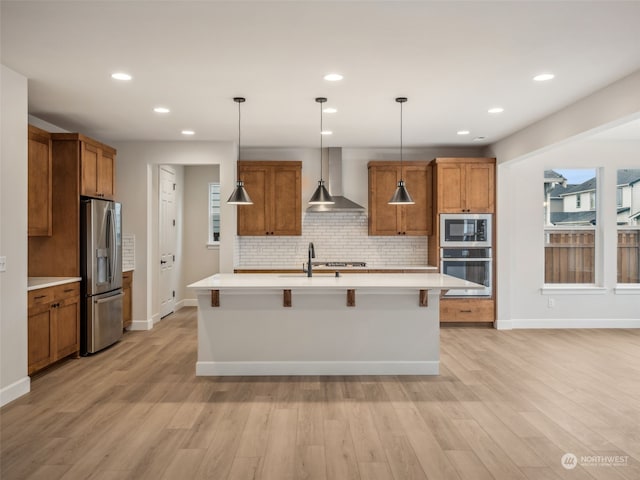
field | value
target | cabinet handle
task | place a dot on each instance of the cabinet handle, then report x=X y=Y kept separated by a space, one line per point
x=39 y=296
x=465 y=311
x=68 y=290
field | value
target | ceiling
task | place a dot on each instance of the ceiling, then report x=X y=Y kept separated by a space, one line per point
x=453 y=60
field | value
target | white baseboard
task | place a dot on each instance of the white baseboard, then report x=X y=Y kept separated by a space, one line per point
x=568 y=323
x=190 y=302
x=141 y=324
x=15 y=390
x=204 y=369
x=155 y=318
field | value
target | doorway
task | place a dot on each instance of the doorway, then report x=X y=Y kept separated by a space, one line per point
x=167 y=245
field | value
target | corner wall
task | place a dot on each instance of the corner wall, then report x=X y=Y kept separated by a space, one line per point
x=14 y=381
x=137 y=189
x=521 y=304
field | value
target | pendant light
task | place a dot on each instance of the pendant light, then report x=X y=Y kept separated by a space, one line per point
x=239 y=195
x=401 y=196
x=321 y=196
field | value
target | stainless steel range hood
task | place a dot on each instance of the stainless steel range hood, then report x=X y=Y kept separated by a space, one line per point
x=334 y=185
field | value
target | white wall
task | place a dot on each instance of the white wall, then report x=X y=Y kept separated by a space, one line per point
x=521 y=248
x=137 y=189
x=13 y=235
x=199 y=260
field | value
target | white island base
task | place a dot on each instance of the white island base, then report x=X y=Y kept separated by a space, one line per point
x=392 y=328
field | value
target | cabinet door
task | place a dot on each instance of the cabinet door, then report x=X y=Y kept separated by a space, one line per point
x=105 y=175
x=127 y=301
x=66 y=325
x=40 y=183
x=39 y=338
x=480 y=187
x=89 y=170
x=285 y=216
x=417 y=218
x=252 y=219
x=384 y=219
x=451 y=191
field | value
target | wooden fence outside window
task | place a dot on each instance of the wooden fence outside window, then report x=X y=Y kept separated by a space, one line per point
x=570 y=256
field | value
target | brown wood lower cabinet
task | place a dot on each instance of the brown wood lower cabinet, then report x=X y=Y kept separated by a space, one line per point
x=127 y=304
x=53 y=325
x=467 y=310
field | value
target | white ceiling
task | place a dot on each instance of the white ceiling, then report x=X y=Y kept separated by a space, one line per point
x=453 y=60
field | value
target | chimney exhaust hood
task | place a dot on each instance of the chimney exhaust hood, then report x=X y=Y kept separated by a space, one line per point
x=334 y=184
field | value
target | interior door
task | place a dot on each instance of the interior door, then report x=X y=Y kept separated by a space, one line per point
x=167 y=232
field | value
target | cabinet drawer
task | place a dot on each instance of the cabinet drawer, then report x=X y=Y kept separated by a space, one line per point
x=41 y=296
x=467 y=310
x=67 y=290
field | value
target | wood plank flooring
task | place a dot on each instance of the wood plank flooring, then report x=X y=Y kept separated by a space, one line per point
x=507 y=405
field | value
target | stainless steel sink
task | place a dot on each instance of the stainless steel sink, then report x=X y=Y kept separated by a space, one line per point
x=300 y=275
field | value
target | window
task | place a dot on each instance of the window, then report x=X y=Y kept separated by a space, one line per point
x=619 y=197
x=628 y=219
x=214 y=213
x=570 y=231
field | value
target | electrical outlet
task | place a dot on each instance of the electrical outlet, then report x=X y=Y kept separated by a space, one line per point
x=3 y=264
x=551 y=302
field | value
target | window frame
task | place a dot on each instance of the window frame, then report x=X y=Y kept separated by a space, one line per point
x=211 y=207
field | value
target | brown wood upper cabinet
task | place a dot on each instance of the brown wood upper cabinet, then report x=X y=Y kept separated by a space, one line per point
x=465 y=185
x=275 y=187
x=53 y=324
x=97 y=169
x=96 y=161
x=40 y=183
x=385 y=219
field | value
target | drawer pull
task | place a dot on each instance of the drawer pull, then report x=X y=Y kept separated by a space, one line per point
x=39 y=297
x=465 y=311
x=68 y=290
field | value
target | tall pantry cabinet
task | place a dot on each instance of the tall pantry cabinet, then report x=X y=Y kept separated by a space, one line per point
x=464 y=185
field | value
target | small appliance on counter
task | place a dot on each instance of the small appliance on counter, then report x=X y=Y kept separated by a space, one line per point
x=101 y=269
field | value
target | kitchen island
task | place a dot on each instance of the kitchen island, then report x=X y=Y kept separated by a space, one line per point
x=291 y=324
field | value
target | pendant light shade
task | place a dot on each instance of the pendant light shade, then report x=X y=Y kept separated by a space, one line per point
x=401 y=195
x=321 y=196
x=239 y=195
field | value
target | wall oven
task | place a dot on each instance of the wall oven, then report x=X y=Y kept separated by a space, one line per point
x=465 y=230
x=472 y=264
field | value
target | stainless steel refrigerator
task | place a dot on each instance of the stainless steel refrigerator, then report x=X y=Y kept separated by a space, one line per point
x=101 y=268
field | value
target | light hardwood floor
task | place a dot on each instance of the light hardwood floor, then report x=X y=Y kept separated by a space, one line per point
x=507 y=405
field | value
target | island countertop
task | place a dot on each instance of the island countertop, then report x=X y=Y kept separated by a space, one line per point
x=325 y=281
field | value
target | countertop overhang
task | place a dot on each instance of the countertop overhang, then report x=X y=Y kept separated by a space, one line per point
x=321 y=282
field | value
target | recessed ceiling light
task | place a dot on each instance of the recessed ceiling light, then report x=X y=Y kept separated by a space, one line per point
x=478 y=139
x=496 y=110
x=326 y=132
x=333 y=77
x=330 y=110
x=463 y=132
x=188 y=132
x=121 y=76
x=543 y=77
x=161 y=110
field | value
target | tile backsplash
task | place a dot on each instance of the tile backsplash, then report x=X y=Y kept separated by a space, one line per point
x=128 y=251
x=336 y=237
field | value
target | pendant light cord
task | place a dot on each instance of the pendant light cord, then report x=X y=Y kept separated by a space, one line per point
x=401 y=141
x=321 y=141
x=238 y=161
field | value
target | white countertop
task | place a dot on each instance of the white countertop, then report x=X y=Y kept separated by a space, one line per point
x=34 y=283
x=320 y=281
x=128 y=269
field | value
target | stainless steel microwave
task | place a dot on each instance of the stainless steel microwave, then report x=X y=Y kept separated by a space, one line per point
x=465 y=230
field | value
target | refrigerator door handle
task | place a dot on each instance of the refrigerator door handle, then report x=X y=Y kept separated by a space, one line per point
x=109 y=299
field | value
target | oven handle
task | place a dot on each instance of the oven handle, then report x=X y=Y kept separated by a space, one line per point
x=484 y=259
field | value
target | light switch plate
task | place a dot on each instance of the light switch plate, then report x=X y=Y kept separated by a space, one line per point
x=3 y=264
